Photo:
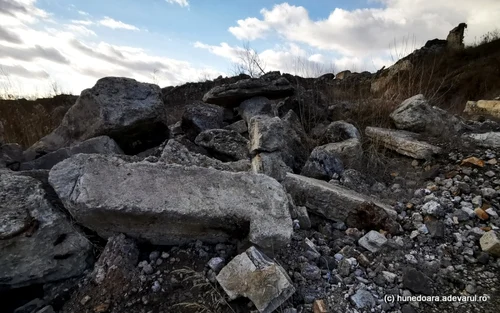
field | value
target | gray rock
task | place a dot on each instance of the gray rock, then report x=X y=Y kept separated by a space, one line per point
x=331 y=201
x=433 y=208
x=402 y=142
x=227 y=145
x=130 y=112
x=200 y=116
x=118 y=259
x=435 y=228
x=170 y=204
x=38 y=243
x=486 y=140
x=240 y=127
x=339 y=131
x=176 y=153
x=303 y=217
x=100 y=145
x=231 y=95
x=417 y=115
x=11 y=155
x=323 y=163
x=285 y=136
x=216 y=264
x=255 y=106
x=490 y=242
x=354 y=180
x=310 y=272
x=373 y=241
x=416 y=281
x=270 y=164
x=363 y=299
x=255 y=276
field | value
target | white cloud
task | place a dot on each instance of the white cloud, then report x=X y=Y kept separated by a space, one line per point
x=114 y=24
x=70 y=55
x=182 y=3
x=82 y=22
x=361 y=32
x=83 y=13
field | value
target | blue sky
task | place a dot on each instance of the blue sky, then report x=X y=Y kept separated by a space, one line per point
x=169 y=42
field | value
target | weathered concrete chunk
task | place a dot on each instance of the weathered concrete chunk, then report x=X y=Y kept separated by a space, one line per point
x=130 y=112
x=373 y=241
x=231 y=95
x=11 y=155
x=100 y=145
x=402 y=142
x=170 y=204
x=255 y=106
x=323 y=163
x=38 y=243
x=331 y=201
x=490 y=242
x=286 y=136
x=339 y=131
x=200 y=116
x=176 y=153
x=254 y=276
x=483 y=107
x=486 y=140
x=270 y=164
x=226 y=145
x=240 y=127
x=417 y=115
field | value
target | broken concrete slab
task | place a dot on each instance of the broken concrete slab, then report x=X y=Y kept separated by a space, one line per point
x=254 y=276
x=38 y=243
x=169 y=204
x=483 y=107
x=176 y=153
x=402 y=142
x=331 y=201
x=100 y=145
x=231 y=95
x=485 y=140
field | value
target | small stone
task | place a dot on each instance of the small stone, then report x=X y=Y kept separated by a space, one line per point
x=373 y=241
x=165 y=255
x=414 y=163
x=473 y=161
x=470 y=288
x=481 y=214
x=477 y=201
x=389 y=277
x=159 y=262
x=483 y=258
x=492 y=161
x=490 y=243
x=490 y=174
x=416 y=281
x=85 y=300
x=433 y=208
x=489 y=193
x=492 y=212
x=147 y=269
x=344 y=268
x=311 y=272
x=153 y=256
x=363 y=299
x=216 y=264
x=319 y=306
x=435 y=228
x=156 y=286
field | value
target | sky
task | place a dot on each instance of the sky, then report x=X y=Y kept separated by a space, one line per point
x=67 y=45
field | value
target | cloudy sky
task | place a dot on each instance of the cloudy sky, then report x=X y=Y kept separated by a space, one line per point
x=72 y=43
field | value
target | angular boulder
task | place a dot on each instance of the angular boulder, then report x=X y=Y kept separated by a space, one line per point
x=286 y=136
x=38 y=243
x=486 y=140
x=100 y=145
x=226 y=145
x=176 y=153
x=483 y=107
x=417 y=115
x=339 y=131
x=11 y=155
x=231 y=95
x=271 y=165
x=130 y=112
x=255 y=106
x=323 y=163
x=331 y=201
x=253 y=275
x=402 y=142
x=240 y=127
x=200 y=116
x=168 y=204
